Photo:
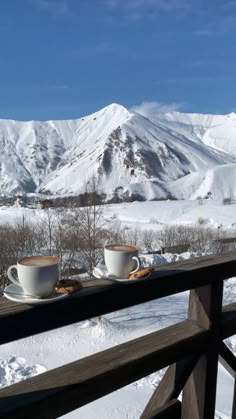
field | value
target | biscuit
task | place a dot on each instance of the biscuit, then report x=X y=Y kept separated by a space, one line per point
x=141 y=274
x=67 y=286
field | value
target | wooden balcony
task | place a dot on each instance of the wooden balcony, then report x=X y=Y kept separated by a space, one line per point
x=190 y=348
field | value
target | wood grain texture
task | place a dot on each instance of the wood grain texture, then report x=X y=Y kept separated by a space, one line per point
x=171 y=410
x=199 y=393
x=227 y=359
x=228 y=321
x=171 y=384
x=234 y=402
x=61 y=390
x=100 y=297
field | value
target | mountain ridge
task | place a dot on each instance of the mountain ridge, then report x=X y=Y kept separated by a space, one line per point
x=132 y=156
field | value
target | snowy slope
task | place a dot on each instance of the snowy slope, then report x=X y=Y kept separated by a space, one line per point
x=157 y=156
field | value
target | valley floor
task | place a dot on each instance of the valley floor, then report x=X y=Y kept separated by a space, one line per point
x=153 y=214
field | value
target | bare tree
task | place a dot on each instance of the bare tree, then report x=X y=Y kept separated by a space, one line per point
x=148 y=240
x=92 y=226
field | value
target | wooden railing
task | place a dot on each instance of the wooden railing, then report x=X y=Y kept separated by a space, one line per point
x=190 y=348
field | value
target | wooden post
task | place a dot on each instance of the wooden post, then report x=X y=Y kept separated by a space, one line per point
x=228 y=360
x=171 y=385
x=205 y=307
x=171 y=410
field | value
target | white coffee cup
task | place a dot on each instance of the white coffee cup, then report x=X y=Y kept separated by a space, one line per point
x=37 y=275
x=121 y=259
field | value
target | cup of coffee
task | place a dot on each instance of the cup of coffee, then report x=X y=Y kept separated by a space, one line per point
x=121 y=259
x=37 y=275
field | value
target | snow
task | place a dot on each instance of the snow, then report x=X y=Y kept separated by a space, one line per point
x=16 y=369
x=156 y=156
x=150 y=215
x=36 y=354
x=156 y=215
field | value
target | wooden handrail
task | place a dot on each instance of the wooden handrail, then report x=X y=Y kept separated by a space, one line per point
x=65 y=388
x=192 y=346
x=99 y=297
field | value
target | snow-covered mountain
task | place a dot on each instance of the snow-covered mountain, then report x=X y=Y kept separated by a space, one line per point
x=157 y=156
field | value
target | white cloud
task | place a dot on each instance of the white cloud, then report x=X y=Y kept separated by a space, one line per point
x=111 y=3
x=137 y=10
x=196 y=79
x=59 y=86
x=222 y=26
x=102 y=48
x=147 y=108
x=55 y=7
x=158 y=5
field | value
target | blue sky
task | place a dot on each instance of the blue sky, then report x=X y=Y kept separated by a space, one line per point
x=63 y=59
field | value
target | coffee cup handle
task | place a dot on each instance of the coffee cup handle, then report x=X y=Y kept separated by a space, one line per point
x=9 y=274
x=138 y=264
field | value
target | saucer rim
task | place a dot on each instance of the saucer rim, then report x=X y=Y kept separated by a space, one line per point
x=108 y=277
x=29 y=300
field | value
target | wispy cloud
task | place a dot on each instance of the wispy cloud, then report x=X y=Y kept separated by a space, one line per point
x=222 y=26
x=154 y=4
x=198 y=63
x=147 y=108
x=55 y=7
x=138 y=9
x=229 y=5
x=196 y=79
x=59 y=86
x=101 y=48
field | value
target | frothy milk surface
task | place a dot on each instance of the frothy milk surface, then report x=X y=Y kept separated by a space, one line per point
x=39 y=261
x=121 y=247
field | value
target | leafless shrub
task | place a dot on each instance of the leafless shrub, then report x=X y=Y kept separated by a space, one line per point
x=17 y=240
x=202 y=221
x=200 y=238
x=148 y=240
x=77 y=236
x=153 y=220
x=175 y=235
x=131 y=236
x=227 y=201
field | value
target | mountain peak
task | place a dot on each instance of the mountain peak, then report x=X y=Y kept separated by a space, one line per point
x=132 y=156
x=115 y=108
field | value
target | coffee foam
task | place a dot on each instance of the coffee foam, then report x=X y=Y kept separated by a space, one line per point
x=39 y=261
x=121 y=247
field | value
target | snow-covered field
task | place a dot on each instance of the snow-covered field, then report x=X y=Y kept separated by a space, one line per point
x=151 y=215
x=28 y=357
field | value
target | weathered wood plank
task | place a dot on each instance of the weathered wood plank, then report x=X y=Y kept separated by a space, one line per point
x=71 y=386
x=171 y=410
x=171 y=384
x=228 y=323
x=199 y=393
x=227 y=359
x=101 y=297
x=234 y=402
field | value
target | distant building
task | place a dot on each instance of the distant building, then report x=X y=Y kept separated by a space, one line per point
x=19 y=203
x=44 y=204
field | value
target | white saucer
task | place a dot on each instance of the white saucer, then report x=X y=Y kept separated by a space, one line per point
x=100 y=272
x=15 y=293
